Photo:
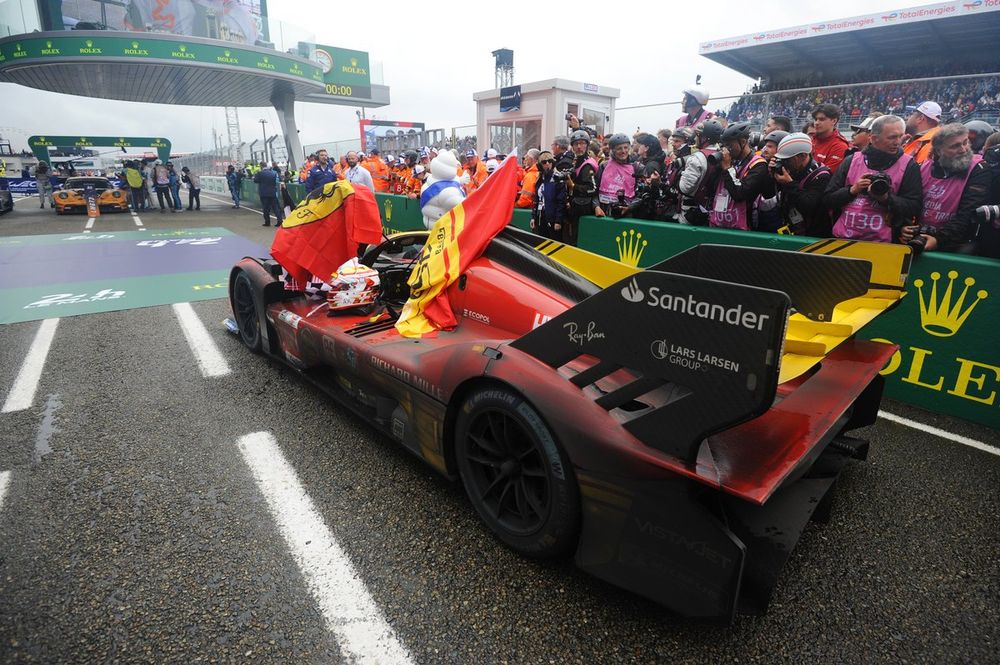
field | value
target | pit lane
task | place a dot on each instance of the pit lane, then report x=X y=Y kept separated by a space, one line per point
x=132 y=528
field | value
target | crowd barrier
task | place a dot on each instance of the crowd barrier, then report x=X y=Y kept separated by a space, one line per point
x=947 y=362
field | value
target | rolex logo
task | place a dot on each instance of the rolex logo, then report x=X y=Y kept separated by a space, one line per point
x=226 y=53
x=938 y=315
x=89 y=43
x=183 y=48
x=387 y=209
x=135 y=44
x=48 y=44
x=354 y=62
x=265 y=59
x=630 y=247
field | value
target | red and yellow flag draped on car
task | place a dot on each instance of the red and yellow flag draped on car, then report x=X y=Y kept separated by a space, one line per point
x=325 y=230
x=455 y=241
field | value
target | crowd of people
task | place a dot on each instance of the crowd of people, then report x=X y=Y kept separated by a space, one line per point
x=143 y=179
x=958 y=98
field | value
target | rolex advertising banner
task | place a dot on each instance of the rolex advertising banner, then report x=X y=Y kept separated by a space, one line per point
x=238 y=21
x=346 y=73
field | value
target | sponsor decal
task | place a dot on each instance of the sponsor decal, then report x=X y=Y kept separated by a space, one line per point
x=265 y=63
x=49 y=50
x=540 y=319
x=227 y=58
x=734 y=316
x=697 y=547
x=476 y=316
x=406 y=376
x=890 y=17
x=693 y=359
x=290 y=319
x=295 y=69
x=88 y=48
x=590 y=87
x=182 y=53
x=580 y=335
x=972 y=5
x=75 y=298
x=630 y=247
x=938 y=316
x=135 y=50
x=353 y=68
x=19 y=52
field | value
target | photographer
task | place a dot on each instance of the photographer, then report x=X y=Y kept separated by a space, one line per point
x=583 y=193
x=617 y=188
x=767 y=213
x=743 y=177
x=801 y=181
x=877 y=190
x=697 y=177
x=693 y=104
x=954 y=187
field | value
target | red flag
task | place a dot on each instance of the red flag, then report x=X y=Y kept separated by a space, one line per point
x=325 y=230
x=455 y=241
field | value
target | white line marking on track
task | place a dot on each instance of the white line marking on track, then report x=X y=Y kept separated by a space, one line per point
x=242 y=207
x=210 y=361
x=352 y=615
x=957 y=438
x=135 y=218
x=90 y=224
x=4 y=483
x=23 y=393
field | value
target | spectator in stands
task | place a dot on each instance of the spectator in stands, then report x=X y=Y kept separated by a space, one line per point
x=529 y=183
x=743 y=177
x=863 y=214
x=583 y=197
x=550 y=199
x=778 y=123
x=693 y=104
x=802 y=183
x=476 y=170
x=954 y=186
x=357 y=174
x=697 y=180
x=829 y=147
x=921 y=127
x=321 y=173
x=862 y=134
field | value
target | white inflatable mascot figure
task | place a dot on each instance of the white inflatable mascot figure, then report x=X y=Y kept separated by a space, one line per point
x=442 y=189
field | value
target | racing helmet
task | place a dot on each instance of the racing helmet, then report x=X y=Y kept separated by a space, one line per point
x=794 y=144
x=353 y=285
x=698 y=93
x=579 y=135
x=775 y=136
x=712 y=131
x=737 y=131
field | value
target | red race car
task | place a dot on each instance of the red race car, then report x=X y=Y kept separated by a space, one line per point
x=672 y=428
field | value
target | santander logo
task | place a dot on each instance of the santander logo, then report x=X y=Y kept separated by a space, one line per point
x=632 y=293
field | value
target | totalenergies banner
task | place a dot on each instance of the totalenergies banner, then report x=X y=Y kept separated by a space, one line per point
x=227 y=20
x=905 y=15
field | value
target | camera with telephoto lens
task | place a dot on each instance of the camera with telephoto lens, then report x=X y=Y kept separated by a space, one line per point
x=778 y=165
x=918 y=243
x=715 y=156
x=756 y=140
x=987 y=214
x=880 y=184
x=992 y=156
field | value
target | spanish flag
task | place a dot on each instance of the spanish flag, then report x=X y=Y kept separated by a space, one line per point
x=325 y=230
x=455 y=241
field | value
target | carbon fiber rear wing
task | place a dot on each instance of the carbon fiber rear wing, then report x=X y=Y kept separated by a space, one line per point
x=702 y=354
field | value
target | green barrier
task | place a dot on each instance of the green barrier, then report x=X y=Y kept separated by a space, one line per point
x=948 y=360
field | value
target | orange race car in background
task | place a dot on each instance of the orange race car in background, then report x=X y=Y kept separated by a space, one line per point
x=73 y=196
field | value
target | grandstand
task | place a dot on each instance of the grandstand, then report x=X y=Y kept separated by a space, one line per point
x=877 y=62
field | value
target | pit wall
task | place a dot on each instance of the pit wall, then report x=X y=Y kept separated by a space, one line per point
x=946 y=326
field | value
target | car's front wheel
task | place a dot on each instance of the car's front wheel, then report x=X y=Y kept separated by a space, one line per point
x=516 y=475
x=245 y=311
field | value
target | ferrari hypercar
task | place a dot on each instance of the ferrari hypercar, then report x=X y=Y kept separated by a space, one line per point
x=73 y=195
x=672 y=429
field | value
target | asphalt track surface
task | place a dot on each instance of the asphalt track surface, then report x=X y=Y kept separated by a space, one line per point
x=132 y=528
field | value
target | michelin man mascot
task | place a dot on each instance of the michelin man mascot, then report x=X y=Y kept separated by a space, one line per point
x=442 y=189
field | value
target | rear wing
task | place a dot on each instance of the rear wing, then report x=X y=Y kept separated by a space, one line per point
x=836 y=287
x=703 y=354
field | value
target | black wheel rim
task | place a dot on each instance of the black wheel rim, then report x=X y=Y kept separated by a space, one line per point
x=508 y=472
x=246 y=311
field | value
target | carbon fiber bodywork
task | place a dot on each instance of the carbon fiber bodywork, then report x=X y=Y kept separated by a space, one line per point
x=697 y=472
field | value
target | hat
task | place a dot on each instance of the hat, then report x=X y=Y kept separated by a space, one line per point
x=389 y=158
x=491 y=153
x=373 y=151
x=470 y=153
x=418 y=169
x=794 y=144
x=930 y=109
x=184 y=168
x=492 y=165
x=865 y=126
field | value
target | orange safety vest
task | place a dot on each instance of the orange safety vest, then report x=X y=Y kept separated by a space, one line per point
x=526 y=196
x=477 y=177
x=380 y=173
x=401 y=175
x=920 y=147
x=413 y=186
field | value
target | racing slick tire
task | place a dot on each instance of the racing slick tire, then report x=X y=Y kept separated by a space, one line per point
x=516 y=475
x=245 y=311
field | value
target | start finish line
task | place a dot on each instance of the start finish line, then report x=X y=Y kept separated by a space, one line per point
x=46 y=276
